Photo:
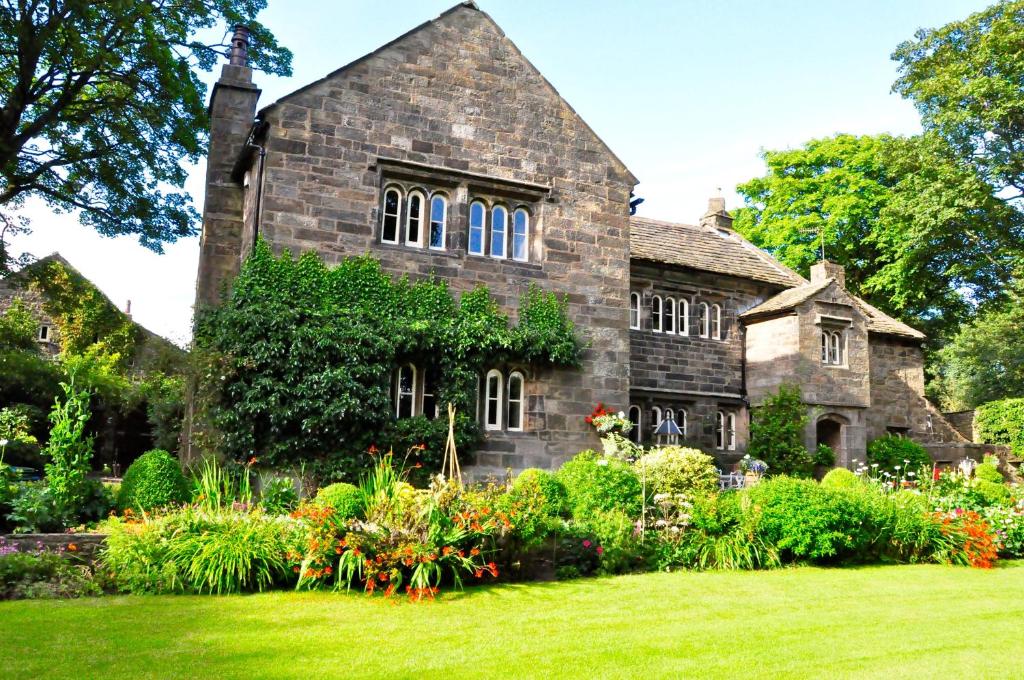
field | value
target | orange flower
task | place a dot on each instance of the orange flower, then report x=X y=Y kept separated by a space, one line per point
x=478 y=573
x=474 y=552
x=72 y=547
x=382 y=576
x=447 y=550
x=252 y=461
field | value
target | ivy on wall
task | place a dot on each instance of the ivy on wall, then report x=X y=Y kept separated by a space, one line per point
x=297 y=364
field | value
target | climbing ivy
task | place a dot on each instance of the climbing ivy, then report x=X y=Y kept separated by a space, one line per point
x=296 y=365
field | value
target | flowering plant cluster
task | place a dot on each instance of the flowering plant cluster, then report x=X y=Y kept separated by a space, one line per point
x=753 y=465
x=977 y=544
x=1008 y=524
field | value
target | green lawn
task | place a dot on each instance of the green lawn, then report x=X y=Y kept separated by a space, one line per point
x=893 y=622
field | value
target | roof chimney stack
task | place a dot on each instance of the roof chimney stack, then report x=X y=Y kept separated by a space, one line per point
x=128 y=309
x=240 y=46
x=828 y=270
x=716 y=216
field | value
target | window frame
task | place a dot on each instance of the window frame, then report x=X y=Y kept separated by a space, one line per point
x=399 y=393
x=521 y=402
x=482 y=228
x=397 y=215
x=669 y=315
x=504 y=233
x=526 y=234
x=684 y=422
x=634 y=311
x=683 y=317
x=428 y=235
x=704 y=320
x=655 y=418
x=636 y=434
x=414 y=193
x=496 y=398
x=657 y=314
x=720 y=430
x=716 y=321
x=43 y=332
x=730 y=439
x=432 y=392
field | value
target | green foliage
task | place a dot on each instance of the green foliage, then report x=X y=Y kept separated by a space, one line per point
x=992 y=493
x=914 y=230
x=619 y=546
x=841 y=478
x=298 y=363
x=539 y=502
x=278 y=495
x=676 y=469
x=14 y=429
x=777 y=433
x=69 y=449
x=18 y=327
x=989 y=472
x=217 y=486
x=1002 y=422
x=42 y=574
x=890 y=452
x=34 y=510
x=594 y=483
x=135 y=557
x=346 y=500
x=153 y=481
x=100 y=114
x=824 y=456
x=964 y=78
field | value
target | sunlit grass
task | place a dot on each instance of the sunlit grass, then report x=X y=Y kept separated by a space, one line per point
x=892 y=622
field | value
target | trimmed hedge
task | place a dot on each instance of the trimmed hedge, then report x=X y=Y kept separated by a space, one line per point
x=345 y=499
x=1001 y=422
x=154 y=480
x=593 y=482
x=676 y=469
x=841 y=478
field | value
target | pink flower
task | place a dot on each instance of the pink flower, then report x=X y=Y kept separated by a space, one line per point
x=586 y=544
x=600 y=550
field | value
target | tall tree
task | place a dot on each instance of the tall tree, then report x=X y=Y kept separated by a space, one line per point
x=967 y=81
x=101 y=102
x=920 y=235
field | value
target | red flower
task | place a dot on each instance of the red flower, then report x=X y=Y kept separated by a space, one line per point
x=372 y=450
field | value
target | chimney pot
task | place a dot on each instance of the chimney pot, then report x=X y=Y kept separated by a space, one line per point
x=128 y=308
x=716 y=216
x=240 y=46
x=828 y=270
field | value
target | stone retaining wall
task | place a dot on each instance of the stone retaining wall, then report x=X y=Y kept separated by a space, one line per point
x=84 y=545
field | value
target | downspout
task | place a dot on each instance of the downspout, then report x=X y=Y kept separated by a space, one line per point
x=257 y=210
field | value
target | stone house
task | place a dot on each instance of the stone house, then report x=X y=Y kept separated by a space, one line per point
x=446 y=152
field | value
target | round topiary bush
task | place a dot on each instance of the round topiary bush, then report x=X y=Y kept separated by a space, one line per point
x=153 y=481
x=345 y=499
x=989 y=472
x=841 y=478
x=542 y=485
x=593 y=482
x=891 y=451
x=994 y=493
x=676 y=469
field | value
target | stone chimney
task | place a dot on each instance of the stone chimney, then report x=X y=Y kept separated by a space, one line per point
x=716 y=216
x=232 y=112
x=828 y=270
x=128 y=309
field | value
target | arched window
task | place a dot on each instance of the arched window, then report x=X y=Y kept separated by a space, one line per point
x=499 y=224
x=703 y=320
x=477 y=217
x=681 y=420
x=492 y=402
x=438 y=221
x=731 y=432
x=521 y=235
x=390 y=215
x=837 y=348
x=670 y=315
x=428 y=400
x=634 y=417
x=832 y=347
x=656 y=315
x=683 y=326
x=716 y=322
x=720 y=430
x=405 y=391
x=515 y=401
x=826 y=350
x=634 y=310
x=655 y=418
x=670 y=415
x=414 y=220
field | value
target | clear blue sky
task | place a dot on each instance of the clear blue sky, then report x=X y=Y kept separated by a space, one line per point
x=687 y=93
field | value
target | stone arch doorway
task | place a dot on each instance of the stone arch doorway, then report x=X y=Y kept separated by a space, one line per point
x=831 y=431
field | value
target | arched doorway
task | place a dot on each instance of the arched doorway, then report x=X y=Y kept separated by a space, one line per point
x=830 y=430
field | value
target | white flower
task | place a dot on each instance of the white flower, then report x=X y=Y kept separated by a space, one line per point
x=3 y=442
x=874 y=465
x=622 y=414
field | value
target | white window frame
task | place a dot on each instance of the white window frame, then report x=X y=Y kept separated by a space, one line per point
x=634 y=311
x=731 y=432
x=669 y=315
x=496 y=398
x=423 y=397
x=704 y=320
x=418 y=243
x=671 y=415
x=637 y=432
x=398 y=215
x=482 y=228
x=504 y=233
x=516 y=375
x=683 y=320
x=716 y=322
x=399 y=393
x=526 y=234
x=826 y=355
x=656 y=418
x=720 y=430
x=430 y=222
x=683 y=420
x=657 y=314
x=43 y=334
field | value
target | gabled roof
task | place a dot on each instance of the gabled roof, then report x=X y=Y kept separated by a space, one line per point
x=878 y=321
x=467 y=5
x=712 y=249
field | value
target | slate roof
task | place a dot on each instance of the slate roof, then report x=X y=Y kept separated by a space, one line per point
x=706 y=249
x=723 y=251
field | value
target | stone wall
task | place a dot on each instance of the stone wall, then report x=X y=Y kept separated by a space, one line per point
x=962 y=422
x=85 y=546
x=454 y=106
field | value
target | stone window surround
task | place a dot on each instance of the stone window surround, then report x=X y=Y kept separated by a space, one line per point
x=829 y=325
x=725 y=430
x=420 y=391
x=503 y=402
x=462 y=188
x=682 y=304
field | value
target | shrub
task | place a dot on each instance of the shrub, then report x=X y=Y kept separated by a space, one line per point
x=594 y=483
x=154 y=480
x=841 y=478
x=807 y=521
x=824 y=456
x=578 y=552
x=619 y=547
x=136 y=556
x=1001 y=422
x=42 y=574
x=989 y=472
x=777 y=433
x=675 y=469
x=539 y=502
x=278 y=495
x=69 y=449
x=33 y=509
x=891 y=451
x=344 y=499
x=992 y=493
